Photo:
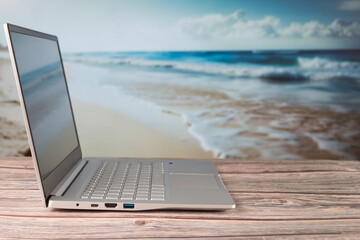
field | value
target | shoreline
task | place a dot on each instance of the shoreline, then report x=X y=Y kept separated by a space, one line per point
x=101 y=137
x=119 y=135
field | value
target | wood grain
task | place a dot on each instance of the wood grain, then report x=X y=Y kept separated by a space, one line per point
x=301 y=199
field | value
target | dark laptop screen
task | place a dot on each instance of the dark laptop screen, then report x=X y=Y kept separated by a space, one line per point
x=46 y=99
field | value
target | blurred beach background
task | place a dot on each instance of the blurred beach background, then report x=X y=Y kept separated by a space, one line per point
x=211 y=79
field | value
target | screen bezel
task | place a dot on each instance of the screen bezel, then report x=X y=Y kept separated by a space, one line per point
x=51 y=180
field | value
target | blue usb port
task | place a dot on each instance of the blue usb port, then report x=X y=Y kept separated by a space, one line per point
x=128 y=205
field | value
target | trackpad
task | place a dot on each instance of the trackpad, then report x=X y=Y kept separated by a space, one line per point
x=193 y=181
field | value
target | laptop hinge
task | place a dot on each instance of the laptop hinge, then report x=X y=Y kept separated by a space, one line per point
x=64 y=184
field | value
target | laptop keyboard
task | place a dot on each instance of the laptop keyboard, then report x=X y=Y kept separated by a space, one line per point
x=127 y=181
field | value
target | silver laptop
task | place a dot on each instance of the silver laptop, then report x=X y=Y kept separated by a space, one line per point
x=67 y=180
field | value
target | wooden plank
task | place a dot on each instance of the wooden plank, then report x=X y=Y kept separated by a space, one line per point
x=30 y=227
x=285 y=166
x=240 y=165
x=16 y=162
x=17 y=174
x=250 y=206
x=305 y=182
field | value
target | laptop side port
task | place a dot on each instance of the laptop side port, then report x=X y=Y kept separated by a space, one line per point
x=110 y=205
x=128 y=205
x=94 y=205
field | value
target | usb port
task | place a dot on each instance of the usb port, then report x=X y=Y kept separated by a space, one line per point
x=128 y=205
x=110 y=205
x=94 y=205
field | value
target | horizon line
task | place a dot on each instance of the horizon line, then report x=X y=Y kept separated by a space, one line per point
x=225 y=50
x=5 y=48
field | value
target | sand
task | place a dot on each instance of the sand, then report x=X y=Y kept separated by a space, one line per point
x=107 y=133
x=102 y=132
x=13 y=139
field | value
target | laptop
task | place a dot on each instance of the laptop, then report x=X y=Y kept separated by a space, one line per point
x=69 y=181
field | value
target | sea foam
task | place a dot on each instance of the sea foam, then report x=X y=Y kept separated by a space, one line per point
x=309 y=69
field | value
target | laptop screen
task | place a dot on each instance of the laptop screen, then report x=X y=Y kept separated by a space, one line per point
x=46 y=99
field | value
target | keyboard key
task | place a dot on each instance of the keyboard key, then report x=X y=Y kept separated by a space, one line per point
x=96 y=197
x=158 y=179
x=157 y=198
x=127 y=198
x=127 y=195
x=111 y=197
x=158 y=195
x=143 y=191
x=114 y=190
x=142 y=198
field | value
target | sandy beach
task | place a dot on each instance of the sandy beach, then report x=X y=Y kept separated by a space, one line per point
x=106 y=133
x=102 y=132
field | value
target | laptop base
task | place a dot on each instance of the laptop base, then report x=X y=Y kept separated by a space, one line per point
x=196 y=188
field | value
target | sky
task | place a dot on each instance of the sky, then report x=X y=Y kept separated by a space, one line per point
x=163 y=25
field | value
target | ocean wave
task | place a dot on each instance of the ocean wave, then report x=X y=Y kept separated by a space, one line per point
x=316 y=69
x=321 y=63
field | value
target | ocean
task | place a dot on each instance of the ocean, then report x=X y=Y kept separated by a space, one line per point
x=288 y=104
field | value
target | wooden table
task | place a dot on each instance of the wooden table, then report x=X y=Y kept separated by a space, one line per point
x=275 y=200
